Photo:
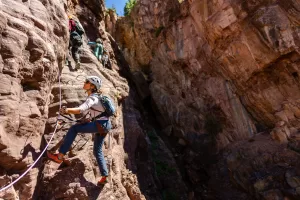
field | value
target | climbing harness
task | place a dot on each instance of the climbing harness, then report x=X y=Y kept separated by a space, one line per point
x=55 y=129
x=70 y=119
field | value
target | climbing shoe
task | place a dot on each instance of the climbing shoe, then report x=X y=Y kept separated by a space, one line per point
x=54 y=157
x=77 y=65
x=102 y=181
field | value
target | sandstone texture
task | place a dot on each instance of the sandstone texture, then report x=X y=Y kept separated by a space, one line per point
x=206 y=94
x=273 y=174
x=33 y=37
x=78 y=180
x=220 y=73
x=229 y=62
x=34 y=41
x=110 y=21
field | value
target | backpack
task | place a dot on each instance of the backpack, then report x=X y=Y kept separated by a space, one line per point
x=108 y=106
x=78 y=28
x=75 y=26
x=76 y=40
x=72 y=25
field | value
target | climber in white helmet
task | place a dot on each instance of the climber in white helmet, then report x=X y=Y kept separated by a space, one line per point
x=97 y=109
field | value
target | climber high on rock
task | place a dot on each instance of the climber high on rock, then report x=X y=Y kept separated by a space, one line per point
x=98 y=48
x=97 y=109
x=105 y=59
x=76 y=31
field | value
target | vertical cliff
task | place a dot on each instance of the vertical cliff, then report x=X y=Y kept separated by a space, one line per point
x=171 y=47
x=206 y=95
x=33 y=37
x=223 y=81
x=34 y=41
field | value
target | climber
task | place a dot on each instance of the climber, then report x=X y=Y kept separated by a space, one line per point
x=97 y=109
x=76 y=31
x=105 y=59
x=98 y=48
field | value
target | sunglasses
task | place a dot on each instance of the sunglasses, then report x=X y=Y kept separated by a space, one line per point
x=86 y=82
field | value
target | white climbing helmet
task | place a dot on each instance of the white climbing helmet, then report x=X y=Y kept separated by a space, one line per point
x=95 y=80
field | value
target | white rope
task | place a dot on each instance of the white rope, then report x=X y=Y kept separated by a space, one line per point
x=12 y=183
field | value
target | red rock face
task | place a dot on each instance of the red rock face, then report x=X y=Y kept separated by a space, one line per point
x=33 y=41
x=33 y=45
x=219 y=71
x=209 y=56
x=110 y=22
x=215 y=69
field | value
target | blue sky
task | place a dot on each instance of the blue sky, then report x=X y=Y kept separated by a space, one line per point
x=119 y=4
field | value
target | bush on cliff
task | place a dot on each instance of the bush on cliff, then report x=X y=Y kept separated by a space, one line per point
x=129 y=6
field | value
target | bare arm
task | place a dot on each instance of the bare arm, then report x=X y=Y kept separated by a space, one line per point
x=72 y=110
x=65 y=110
x=92 y=43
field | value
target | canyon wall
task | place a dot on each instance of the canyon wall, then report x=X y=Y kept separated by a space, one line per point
x=223 y=79
x=33 y=37
x=34 y=41
x=232 y=63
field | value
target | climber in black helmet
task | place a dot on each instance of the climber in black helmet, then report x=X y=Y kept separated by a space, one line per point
x=99 y=108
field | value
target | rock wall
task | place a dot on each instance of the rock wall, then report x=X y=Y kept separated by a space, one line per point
x=273 y=174
x=213 y=72
x=110 y=22
x=233 y=63
x=80 y=178
x=218 y=72
x=33 y=45
x=33 y=37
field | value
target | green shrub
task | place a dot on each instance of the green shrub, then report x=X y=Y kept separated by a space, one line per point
x=112 y=9
x=129 y=6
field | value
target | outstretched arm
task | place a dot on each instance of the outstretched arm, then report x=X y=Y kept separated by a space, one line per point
x=65 y=110
x=91 y=43
x=101 y=50
x=83 y=107
x=73 y=111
